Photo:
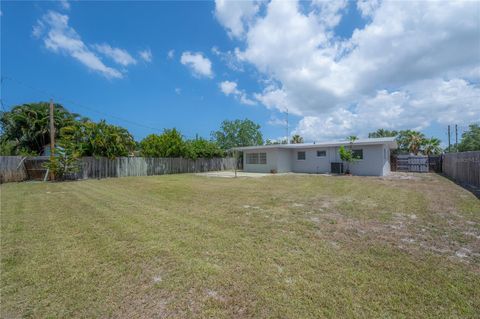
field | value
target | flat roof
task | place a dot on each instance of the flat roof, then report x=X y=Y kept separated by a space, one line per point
x=390 y=141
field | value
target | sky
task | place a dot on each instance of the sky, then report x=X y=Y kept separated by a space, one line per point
x=338 y=68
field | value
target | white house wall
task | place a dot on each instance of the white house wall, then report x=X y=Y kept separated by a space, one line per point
x=386 y=162
x=312 y=163
x=284 y=160
x=372 y=162
x=261 y=168
x=375 y=162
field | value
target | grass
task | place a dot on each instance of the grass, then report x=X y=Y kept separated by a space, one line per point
x=184 y=246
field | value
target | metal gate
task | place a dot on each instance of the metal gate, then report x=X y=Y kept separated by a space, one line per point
x=412 y=163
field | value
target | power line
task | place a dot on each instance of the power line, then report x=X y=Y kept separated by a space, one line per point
x=70 y=101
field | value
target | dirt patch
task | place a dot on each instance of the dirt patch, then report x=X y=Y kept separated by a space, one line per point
x=231 y=174
x=404 y=231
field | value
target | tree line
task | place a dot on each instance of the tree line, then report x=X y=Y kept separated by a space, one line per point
x=25 y=131
x=414 y=142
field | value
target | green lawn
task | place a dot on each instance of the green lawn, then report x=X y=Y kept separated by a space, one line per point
x=184 y=246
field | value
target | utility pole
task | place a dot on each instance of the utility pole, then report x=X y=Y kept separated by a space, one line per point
x=449 y=138
x=288 y=140
x=456 y=138
x=52 y=137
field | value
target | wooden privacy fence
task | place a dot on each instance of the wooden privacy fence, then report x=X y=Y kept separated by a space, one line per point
x=12 y=169
x=463 y=167
x=16 y=168
x=435 y=163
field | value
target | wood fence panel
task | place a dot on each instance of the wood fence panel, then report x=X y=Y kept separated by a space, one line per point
x=12 y=169
x=92 y=167
x=463 y=167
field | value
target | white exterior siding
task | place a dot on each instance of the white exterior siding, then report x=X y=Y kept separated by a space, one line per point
x=284 y=162
x=312 y=163
x=372 y=162
x=261 y=168
x=386 y=163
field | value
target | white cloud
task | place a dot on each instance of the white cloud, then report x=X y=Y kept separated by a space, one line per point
x=146 y=55
x=230 y=88
x=233 y=15
x=275 y=121
x=120 y=56
x=65 y=4
x=398 y=71
x=231 y=59
x=200 y=65
x=330 y=11
x=59 y=37
x=416 y=107
x=38 y=29
x=367 y=7
x=245 y=100
x=171 y=54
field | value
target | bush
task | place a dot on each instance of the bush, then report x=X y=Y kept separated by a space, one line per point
x=168 y=144
x=202 y=148
x=65 y=162
x=99 y=139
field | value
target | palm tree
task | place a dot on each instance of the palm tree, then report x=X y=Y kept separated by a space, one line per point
x=415 y=141
x=27 y=125
x=431 y=146
x=352 y=138
x=296 y=139
x=382 y=133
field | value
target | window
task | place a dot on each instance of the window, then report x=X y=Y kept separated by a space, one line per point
x=262 y=158
x=252 y=158
x=256 y=158
x=301 y=156
x=321 y=153
x=357 y=154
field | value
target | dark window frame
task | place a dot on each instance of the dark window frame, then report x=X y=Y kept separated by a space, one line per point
x=323 y=151
x=360 y=151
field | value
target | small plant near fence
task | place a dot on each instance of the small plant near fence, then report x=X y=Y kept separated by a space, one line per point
x=65 y=163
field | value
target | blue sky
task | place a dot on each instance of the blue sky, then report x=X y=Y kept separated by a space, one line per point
x=204 y=62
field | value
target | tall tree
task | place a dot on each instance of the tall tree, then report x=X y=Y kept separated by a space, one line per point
x=202 y=148
x=26 y=126
x=415 y=142
x=352 y=139
x=296 y=139
x=431 y=146
x=470 y=139
x=99 y=139
x=168 y=144
x=238 y=133
x=409 y=141
x=276 y=142
x=382 y=133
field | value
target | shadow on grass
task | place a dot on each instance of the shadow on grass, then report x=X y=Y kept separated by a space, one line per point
x=475 y=190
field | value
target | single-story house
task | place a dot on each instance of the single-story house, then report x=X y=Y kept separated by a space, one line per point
x=373 y=157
